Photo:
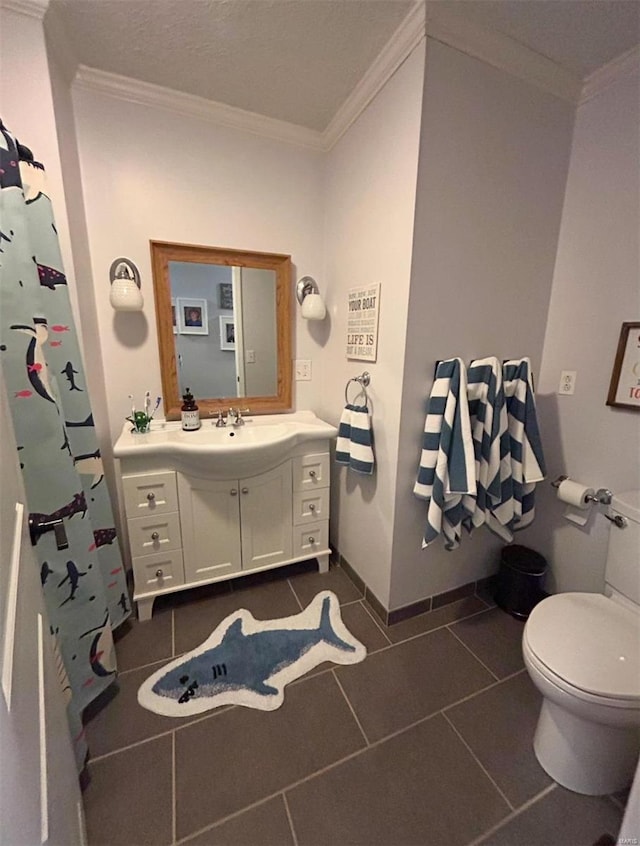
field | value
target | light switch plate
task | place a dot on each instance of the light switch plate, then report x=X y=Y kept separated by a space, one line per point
x=303 y=370
x=250 y=357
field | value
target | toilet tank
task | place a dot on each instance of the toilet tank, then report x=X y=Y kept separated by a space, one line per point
x=623 y=559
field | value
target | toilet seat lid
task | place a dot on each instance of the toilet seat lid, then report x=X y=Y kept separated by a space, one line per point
x=590 y=641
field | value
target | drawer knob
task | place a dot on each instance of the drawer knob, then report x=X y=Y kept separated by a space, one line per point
x=245 y=490
x=312 y=539
x=312 y=507
x=233 y=492
x=151 y=496
x=154 y=535
x=159 y=574
x=312 y=473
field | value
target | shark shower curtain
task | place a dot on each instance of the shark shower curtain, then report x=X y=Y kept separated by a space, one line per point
x=84 y=585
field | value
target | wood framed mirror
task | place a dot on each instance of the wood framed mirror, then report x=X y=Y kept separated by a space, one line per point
x=224 y=327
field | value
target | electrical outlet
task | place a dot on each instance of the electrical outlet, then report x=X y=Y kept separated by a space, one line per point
x=250 y=357
x=303 y=370
x=567 y=382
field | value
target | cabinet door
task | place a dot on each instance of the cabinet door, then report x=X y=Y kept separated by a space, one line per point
x=266 y=503
x=210 y=519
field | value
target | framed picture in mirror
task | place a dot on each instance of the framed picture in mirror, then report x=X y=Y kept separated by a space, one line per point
x=227 y=333
x=174 y=316
x=225 y=291
x=192 y=316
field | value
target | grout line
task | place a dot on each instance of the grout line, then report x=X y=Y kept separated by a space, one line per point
x=513 y=815
x=394 y=644
x=483 y=600
x=479 y=763
x=377 y=623
x=99 y=758
x=214 y=713
x=290 y=818
x=295 y=594
x=435 y=628
x=471 y=652
x=174 y=801
x=483 y=690
x=144 y=666
x=349 y=602
x=351 y=708
x=226 y=819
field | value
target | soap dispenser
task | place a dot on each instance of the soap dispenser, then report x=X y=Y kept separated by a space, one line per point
x=189 y=414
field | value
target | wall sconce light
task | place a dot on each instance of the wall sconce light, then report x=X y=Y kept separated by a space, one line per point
x=313 y=307
x=125 y=294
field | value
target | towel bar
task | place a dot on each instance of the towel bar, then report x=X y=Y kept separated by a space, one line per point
x=363 y=380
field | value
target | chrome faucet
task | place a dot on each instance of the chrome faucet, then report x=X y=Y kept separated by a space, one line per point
x=221 y=421
x=236 y=413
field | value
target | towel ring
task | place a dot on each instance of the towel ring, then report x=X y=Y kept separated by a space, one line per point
x=363 y=380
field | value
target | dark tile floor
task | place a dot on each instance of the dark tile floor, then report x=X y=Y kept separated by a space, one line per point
x=428 y=741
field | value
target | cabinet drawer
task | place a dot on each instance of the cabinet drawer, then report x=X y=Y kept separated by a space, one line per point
x=311 y=471
x=150 y=493
x=310 y=506
x=310 y=539
x=158 y=572
x=154 y=533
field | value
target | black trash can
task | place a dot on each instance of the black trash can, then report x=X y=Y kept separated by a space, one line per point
x=519 y=585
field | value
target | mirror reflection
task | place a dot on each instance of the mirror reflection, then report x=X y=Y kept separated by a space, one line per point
x=224 y=320
x=224 y=327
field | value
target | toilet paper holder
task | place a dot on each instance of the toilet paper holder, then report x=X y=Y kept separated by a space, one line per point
x=601 y=496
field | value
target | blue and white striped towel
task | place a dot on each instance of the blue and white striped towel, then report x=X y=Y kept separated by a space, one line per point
x=527 y=458
x=446 y=469
x=493 y=503
x=354 y=446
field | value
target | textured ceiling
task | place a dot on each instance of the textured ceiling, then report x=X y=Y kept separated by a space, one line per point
x=298 y=60
x=295 y=60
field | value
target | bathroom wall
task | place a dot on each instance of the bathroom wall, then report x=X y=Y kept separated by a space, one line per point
x=595 y=289
x=369 y=205
x=150 y=174
x=493 y=162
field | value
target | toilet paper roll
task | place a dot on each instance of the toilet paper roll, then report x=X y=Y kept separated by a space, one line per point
x=575 y=494
x=576 y=497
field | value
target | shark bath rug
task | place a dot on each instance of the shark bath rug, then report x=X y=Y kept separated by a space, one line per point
x=249 y=662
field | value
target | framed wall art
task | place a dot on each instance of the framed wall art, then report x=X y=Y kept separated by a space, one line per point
x=225 y=291
x=624 y=390
x=227 y=333
x=192 y=316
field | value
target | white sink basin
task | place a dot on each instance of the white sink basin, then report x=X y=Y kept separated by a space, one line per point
x=262 y=442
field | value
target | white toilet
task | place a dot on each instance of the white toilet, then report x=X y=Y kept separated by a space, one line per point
x=582 y=651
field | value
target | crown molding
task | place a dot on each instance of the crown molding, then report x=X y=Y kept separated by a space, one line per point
x=502 y=52
x=625 y=65
x=31 y=8
x=401 y=44
x=494 y=48
x=189 y=105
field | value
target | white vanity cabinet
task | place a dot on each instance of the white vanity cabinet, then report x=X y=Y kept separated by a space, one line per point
x=193 y=521
x=241 y=524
